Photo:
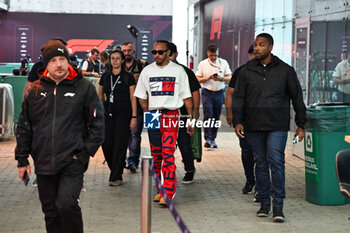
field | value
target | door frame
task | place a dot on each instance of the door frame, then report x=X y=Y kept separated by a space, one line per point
x=303 y=23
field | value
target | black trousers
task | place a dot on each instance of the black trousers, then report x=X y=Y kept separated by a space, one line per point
x=117 y=134
x=185 y=145
x=248 y=160
x=59 y=196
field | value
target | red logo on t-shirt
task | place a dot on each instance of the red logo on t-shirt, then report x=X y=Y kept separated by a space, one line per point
x=168 y=86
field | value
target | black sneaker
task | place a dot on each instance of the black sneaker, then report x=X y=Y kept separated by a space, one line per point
x=278 y=215
x=132 y=168
x=207 y=144
x=188 y=178
x=264 y=210
x=256 y=197
x=248 y=188
x=213 y=145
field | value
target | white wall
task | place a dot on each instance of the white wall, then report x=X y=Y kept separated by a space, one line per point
x=180 y=28
x=182 y=23
x=119 y=7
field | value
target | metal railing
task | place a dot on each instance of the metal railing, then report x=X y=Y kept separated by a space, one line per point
x=146 y=194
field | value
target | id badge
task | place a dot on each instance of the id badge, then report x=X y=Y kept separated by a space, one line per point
x=111 y=97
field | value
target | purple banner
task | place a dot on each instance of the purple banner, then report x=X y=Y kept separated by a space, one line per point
x=22 y=34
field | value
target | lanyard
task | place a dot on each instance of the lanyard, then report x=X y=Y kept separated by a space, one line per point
x=215 y=65
x=131 y=69
x=113 y=85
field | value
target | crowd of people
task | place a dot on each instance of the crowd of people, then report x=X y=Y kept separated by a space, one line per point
x=64 y=120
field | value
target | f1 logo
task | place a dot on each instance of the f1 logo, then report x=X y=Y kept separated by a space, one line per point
x=216 y=22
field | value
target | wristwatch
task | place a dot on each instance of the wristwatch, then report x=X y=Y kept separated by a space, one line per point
x=134 y=117
x=222 y=79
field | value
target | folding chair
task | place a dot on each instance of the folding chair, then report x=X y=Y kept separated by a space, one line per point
x=342 y=165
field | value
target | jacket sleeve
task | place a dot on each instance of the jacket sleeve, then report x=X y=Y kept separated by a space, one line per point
x=94 y=117
x=24 y=136
x=238 y=100
x=296 y=96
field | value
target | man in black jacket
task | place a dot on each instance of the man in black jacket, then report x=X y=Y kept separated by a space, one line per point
x=134 y=66
x=184 y=139
x=61 y=126
x=262 y=98
x=247 y=156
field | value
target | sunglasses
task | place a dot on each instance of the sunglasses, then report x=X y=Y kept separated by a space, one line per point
x=160 y=52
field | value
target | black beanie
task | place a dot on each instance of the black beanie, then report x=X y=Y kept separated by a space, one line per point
x=52 y=49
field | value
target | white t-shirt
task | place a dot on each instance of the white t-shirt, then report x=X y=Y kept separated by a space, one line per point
x=207 y=68
x=165 y=86
x=342 y=70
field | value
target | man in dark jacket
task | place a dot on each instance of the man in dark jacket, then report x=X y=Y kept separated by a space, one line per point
x=262 y=98
x=247 y=156
x=184 y=139
x=134 y=66
x=61 y=126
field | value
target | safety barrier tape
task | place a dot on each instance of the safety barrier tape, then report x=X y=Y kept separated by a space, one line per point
x=169 y=203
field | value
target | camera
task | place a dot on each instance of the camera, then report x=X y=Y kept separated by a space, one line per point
x=24 y=69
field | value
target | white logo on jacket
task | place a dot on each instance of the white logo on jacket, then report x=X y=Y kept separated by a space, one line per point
x=69 y=94
x=43 y=94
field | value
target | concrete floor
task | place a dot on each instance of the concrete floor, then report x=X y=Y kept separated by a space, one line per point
x=213 y=203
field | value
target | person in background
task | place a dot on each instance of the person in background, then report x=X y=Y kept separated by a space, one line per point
x=261 y=114
x=104 y=65
x=91 y=66
x=212 y=73
x=184 y=139
x=116 y=90
x=134 y=66
x=87 y=56
x=341 y=77
x=246 y=152
x=33 y=74
x=73 y=60
x=59 y=101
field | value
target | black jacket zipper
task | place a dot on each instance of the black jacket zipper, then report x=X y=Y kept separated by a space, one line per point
x=53 y=127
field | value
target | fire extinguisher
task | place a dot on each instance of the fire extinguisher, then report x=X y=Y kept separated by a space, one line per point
x=191 y=62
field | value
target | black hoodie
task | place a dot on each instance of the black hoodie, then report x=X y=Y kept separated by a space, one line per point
x=58 y=122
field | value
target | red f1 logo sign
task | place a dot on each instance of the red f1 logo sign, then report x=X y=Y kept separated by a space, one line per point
x=216 y=21
x=81 y=45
